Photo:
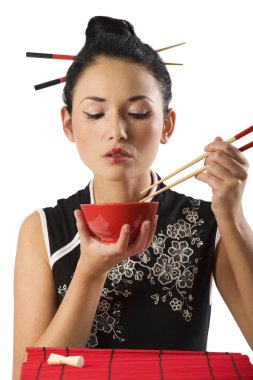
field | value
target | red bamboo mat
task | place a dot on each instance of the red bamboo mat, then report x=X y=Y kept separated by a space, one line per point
x=108 y=364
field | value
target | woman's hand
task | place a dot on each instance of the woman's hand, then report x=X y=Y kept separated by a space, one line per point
x=97 y=258
x=226 y=174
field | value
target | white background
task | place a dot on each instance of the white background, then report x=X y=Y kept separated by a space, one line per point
x=212 y=94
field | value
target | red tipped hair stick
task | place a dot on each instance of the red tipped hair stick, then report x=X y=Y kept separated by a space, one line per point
x=50 y=83
x=51 y=56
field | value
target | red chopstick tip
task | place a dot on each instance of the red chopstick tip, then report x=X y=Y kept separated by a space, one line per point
x=247 y=146
x=244 y=133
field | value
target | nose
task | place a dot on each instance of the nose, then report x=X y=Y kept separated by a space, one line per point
x=117 y=128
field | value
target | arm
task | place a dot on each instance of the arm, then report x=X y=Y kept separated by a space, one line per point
x=34 y=293
x=233 y=270
x=233 y=274
x=37 y=319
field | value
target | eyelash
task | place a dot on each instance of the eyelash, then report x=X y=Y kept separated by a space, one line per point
x=94 y=116
x=138 y=116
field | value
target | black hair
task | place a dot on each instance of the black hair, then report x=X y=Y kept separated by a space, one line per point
x=116 y=38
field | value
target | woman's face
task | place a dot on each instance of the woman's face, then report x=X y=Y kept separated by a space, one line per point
x=117 y=119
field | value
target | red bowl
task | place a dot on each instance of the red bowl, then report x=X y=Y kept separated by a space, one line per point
x=106 y=219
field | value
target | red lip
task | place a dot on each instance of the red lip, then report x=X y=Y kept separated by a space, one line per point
x=114 y=151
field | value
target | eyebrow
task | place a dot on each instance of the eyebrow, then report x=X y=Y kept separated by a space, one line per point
x=139 y=97
x=96 y=98
x=132 y=99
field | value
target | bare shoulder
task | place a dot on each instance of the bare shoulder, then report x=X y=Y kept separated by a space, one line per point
x=31 y=239
x=31 y=224
x=32 y=268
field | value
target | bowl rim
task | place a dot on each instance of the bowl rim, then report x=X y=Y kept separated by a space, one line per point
x=117 y=203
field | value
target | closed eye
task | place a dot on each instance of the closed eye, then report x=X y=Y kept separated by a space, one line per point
x=139 y=116
x=94 y=115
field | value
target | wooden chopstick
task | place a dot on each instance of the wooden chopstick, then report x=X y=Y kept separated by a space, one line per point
x=192 y=174
x=172 y=64
x=197 y=159
x=170 y=47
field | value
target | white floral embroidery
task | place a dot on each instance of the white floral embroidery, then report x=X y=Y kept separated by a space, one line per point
x=180 y=251
x=187 y=315
x=176 y=304
x=93 y=341
x=62 y=290
x=192 y=216
x=186 y=279
x=158 y=245
x=166 y=269
x=103 y=306
x=126 y=268
x=105 y=322
x=145 y=256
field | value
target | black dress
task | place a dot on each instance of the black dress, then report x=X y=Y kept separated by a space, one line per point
x=158 y=299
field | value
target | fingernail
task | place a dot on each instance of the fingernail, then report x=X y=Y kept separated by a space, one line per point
x=147 y=224
x=154 y=220
x=126 y=228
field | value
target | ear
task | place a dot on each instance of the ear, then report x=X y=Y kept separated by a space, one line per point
x=67 y=124
x=168 y=126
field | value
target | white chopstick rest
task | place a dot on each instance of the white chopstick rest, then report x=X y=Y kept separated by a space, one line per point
x=74 y=361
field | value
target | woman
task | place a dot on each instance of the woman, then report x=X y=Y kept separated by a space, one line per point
x=72 y=290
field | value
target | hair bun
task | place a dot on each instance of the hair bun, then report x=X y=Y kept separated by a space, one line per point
x=98 y=26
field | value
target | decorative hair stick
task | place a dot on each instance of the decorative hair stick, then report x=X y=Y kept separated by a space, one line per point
x=170 y=47
x=74 y=361
x=52 y=56
x=170 y=63
x=50 y=83
x=72 y=57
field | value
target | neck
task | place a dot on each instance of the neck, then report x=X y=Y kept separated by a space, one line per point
x=111 y=191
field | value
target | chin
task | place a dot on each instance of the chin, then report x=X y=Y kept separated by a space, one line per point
x=120 y=173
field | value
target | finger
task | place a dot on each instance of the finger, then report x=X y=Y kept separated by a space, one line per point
x=152 y=232
x=81 y=225
x=222 y=188
x=214 y=182
x=141 y=239
x=209 y=146
x=220 y=160
x=218 y=138
x=123 y=240
x=222 y=146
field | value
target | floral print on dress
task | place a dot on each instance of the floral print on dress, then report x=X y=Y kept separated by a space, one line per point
x=169 y=265
x=62 y=290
